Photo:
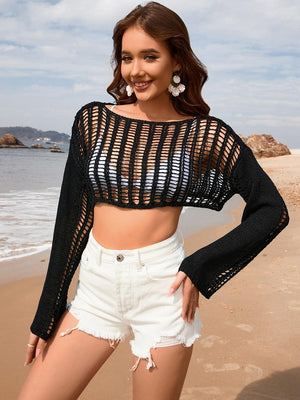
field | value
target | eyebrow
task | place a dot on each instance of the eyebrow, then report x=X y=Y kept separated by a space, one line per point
x=143 y=51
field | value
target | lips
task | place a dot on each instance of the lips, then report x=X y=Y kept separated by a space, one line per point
x=142 y=85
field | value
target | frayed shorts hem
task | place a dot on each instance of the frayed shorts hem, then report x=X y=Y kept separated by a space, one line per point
x=165 y=340
x=161 y=341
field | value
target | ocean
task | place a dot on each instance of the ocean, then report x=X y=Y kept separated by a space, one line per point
x=29 y=189
x=30 y=183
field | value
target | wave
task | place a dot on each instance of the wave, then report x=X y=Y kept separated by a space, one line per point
x=27 y=221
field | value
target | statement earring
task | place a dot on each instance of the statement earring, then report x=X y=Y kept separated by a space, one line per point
x=129 y=90
x=175 y=87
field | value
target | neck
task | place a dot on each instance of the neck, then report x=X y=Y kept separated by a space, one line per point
x=156 y=109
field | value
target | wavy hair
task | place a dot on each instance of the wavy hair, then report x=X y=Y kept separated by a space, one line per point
x=162 y=24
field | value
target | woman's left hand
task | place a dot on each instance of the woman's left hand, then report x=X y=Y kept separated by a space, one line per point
x=190 y=295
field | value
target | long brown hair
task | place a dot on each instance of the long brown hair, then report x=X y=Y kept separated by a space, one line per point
x=162 y=24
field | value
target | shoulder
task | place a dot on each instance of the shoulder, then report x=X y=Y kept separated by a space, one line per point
x=93 y=107
x=218 y=128
x=84 y=121
x=222 y=143
x=219 y=137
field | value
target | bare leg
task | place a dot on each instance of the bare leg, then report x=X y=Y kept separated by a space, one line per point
x=66 y=365
x=165 y=381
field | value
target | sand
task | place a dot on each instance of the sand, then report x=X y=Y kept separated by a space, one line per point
x=250 y=344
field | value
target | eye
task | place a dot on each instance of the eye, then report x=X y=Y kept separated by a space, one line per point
x=126 y=58
x=151 y=58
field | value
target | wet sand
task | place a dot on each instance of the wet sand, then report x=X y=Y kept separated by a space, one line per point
x=250 y=344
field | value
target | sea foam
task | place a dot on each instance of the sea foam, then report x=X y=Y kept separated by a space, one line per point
x=27 y=221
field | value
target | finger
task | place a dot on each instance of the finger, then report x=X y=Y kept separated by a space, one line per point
x=180 y=277
x=32 y=342
x=36 y=346
x=190 y=300
x=185 y=304
x=191 y=312
x=193 y=306
x=184 y=310
x=29 y=355
x=187 y=288
x=40 y=347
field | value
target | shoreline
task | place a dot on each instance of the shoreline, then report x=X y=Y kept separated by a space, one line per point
x=249 y=346
x=31 y=265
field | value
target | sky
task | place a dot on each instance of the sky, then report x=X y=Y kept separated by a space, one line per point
x=55 y=57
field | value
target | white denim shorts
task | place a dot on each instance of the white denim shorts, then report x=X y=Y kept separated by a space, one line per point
x=123 y=292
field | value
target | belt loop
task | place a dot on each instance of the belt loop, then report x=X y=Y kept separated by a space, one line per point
x=100 y=256
x=139 y=256
x=182 y=238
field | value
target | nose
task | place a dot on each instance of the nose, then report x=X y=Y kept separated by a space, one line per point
x=136 y=69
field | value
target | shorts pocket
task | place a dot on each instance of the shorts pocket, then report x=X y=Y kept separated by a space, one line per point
x=166 y=267
x=86 y=261
x=84 y=257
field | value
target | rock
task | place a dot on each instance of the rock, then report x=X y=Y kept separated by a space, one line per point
x=9 y=140
x=56 y=149
x=265 y=146
x=37 y=146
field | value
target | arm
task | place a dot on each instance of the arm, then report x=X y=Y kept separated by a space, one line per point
x=73 y=222
x=264 y=217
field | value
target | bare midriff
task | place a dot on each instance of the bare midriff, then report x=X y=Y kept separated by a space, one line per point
x=127 y=228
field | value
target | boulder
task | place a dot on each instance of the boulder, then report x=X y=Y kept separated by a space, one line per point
x=265 y=146
x=56 y=149
x=37 y=146
x=9 y=140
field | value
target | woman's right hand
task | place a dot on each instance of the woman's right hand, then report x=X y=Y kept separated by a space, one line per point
x=38 y=346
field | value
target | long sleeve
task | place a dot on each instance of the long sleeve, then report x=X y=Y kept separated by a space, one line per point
x=73 y=221
x=265 y=215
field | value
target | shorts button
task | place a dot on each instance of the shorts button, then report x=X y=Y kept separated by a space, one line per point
x=120 y=257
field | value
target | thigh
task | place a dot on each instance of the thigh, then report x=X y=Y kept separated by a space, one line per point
x=165 y=381
x=66 y=365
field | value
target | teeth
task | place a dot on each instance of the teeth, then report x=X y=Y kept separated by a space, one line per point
x=141 y=84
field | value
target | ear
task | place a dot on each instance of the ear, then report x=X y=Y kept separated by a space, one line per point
x=176 y=65
x=177 y=68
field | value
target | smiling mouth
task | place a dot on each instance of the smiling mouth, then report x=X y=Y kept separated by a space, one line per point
x=142 y=85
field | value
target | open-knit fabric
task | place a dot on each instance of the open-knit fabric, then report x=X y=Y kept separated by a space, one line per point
x=196 y=162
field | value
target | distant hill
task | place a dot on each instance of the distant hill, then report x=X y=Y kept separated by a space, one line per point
x=27 y=134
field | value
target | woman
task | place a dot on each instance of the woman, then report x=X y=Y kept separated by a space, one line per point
x=130 y=170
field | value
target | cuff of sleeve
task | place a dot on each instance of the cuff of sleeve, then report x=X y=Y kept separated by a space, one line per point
x=192 y=272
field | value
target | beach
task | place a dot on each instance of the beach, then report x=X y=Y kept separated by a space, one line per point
x=250 y=343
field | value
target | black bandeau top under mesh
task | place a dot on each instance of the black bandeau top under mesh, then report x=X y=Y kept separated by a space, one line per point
x=197 y=162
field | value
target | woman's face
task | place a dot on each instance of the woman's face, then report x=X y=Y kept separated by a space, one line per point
x=147 y=65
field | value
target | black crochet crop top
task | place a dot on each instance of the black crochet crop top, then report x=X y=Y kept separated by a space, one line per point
x=143 y=164
x=196 y=162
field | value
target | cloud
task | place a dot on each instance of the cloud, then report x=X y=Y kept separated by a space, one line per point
x=88 y=13
x=55 y=55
